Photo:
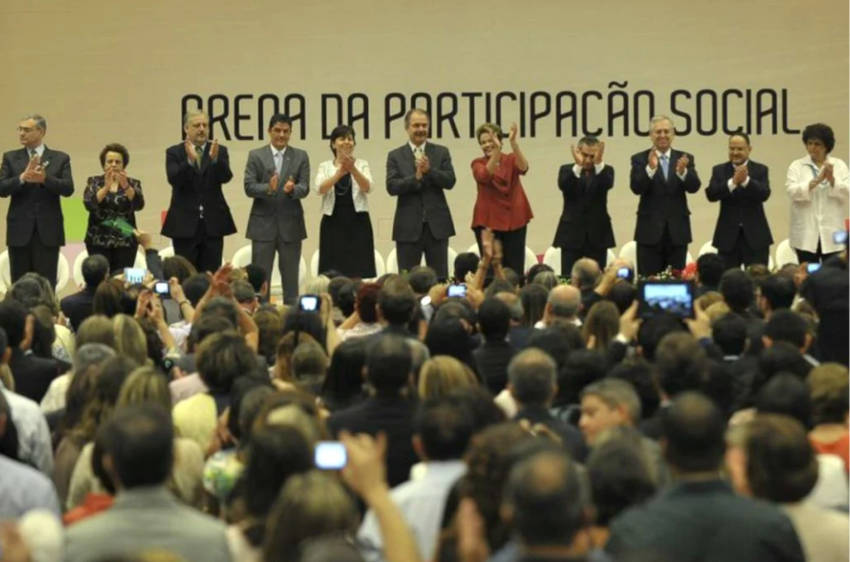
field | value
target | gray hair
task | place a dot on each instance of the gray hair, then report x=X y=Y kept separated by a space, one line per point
x=661 y=117
x=616 y=392
x=410 y=113
x=564 y=302
x=585 y=272
x=189 y=115
x=40 y=121
x=91 y=354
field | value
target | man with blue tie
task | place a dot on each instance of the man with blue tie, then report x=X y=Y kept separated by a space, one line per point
x=277 y=177
x=662 y=176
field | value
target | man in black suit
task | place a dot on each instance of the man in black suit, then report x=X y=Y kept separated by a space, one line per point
x=584 y=230
x=391 y=410
x=742 y=186
x=35 y=177
x=198 y=216
x=78 y=307
x=492 y=356
x=418 y=172
x=662 y=176
x=32 y=374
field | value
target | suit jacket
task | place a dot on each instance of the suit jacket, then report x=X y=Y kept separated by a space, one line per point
x=492 y=359
x=571 y=438
x=279 y=214
x=32 y=374
x=662 y=201
x=147 y=518
x=420 y=200
x=34 y=206
x=394 y=415
x=743 y=206
x=78 y=306
x=704 y=521
x=585 y=212
x=191 y=188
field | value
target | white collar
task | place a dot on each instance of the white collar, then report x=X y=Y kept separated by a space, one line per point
x=660 y=154
x=38 y=150
x=413 y=147
x=275 y=151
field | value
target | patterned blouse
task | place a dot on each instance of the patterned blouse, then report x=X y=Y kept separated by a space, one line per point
x=113 y=206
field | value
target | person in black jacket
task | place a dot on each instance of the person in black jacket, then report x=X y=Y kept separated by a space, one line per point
x=742 y=186
x=584 y=230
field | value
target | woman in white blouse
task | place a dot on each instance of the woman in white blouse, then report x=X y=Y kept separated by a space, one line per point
x=346 y=244
x=818 y=185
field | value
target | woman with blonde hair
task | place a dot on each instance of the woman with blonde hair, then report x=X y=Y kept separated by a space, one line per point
x=130 y=339
x=442 y=374
x=145 y=385
x=601 y=325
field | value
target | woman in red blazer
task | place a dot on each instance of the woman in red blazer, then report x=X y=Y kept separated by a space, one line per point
x=501 y=205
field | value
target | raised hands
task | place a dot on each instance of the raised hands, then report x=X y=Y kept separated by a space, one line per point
x=34 y=172
x=600 y=152
x=741 y=174
x=274 y=183
x=191 y=154
x=289 y=186
x=653 y=159
x=512 y=133
x=682 y=164
x=578 y=156
x=214 y=150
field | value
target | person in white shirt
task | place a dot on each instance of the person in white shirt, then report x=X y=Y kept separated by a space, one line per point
x=818 y=185
x=346 y=243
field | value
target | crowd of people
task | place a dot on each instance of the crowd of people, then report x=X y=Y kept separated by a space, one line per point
x=526 y=419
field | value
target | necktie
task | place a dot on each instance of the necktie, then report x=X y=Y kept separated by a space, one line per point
x=665 y=165
x=33 y=153
x=417 y=153
x=278 y=161
x=199 y=150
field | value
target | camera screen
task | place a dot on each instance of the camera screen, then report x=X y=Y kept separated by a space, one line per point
x=134 y=275
x=458 y=290
x=330 y=455
x=309 y=303
x=675 y=298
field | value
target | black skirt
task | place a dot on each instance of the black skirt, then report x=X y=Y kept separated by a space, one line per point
x=346 y=243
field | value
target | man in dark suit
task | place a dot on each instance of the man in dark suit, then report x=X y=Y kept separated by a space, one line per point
x=493 y=356
x=584 y=230
x=78 y=306
x=198 y=216
x=391 y=410
x=277 y=177
x=662 y=176
x=417 y=173
x=32 y=374
x=35 y=177
x=742 y=186
x=727 y=527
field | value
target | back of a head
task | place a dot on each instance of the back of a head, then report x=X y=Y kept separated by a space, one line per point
x=619 y=477
x=546 y=279
x=532 y=376
x=337 y=285
x=585 y=273
x=653 y=329
x=693 y=428
x=533 y=298
x=557 y=341
x=602 y=322
x=778 y=291
x=145 y=385
x=729 y=332
x=91 y=354
x=243 y=291
x=545 y=497
x=29 y=291
x=297 y=321
x=221 y=306
x=465 y=262
x=13 y=319
x=442 y=374
x=738 y=290
x=622 y=294
x=309 y=363
x=710 y=269
x=582 y=367
x=422 y=278
x=494 y=318
x=388 y=364
x=564 y=301
x=786 y=326
x=681 y=362
x=396 y=300
x=95 y=269
x=107 y=299
x=179 y=267
x=140 y=442
x=639 y=373
x=781 y=356
x=223 y=357
x=828 y=389
x=195 y=286
x=444 y=428
x=785 y=394
x=274 y=453
x=96 y=329
x=130 y=338
x=310 y=505
x=344 y=379
x=781 y=464
x=448 y=336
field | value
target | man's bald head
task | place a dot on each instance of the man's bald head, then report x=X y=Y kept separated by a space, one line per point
x=563 y=303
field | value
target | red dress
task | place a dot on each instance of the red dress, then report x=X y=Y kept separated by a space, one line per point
x=501 y=204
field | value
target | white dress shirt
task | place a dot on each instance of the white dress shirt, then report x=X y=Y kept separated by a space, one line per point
x=326 y=170
x=817 y=213
x=34 y=445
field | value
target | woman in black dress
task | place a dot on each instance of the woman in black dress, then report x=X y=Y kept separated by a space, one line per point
x=112 y=199
x=345 y=236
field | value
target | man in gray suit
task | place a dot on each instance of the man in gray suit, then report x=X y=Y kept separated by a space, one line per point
x=418 y=172
x=35 y=177
x=277 y=176
x=138 y=445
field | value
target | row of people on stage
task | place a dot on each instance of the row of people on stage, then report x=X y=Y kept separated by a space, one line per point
x=277 y=176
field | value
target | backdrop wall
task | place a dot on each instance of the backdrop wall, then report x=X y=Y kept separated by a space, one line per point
x=125 y=72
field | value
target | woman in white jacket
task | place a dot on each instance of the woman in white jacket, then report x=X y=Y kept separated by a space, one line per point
x=346 y=243
x=819 y=186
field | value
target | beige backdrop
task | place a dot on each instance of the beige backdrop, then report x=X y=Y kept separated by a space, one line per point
x=116 y=72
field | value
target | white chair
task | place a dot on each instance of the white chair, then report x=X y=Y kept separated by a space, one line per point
x=629 y=252
x=63 y=272
x=689 y=259
x=552 y=258
x=530 y=259
x=77 y=269
x=241 y=257
x=5 y=270
x=474 y=249
x=707 y=248
x=785 y=254
x=314 y=264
